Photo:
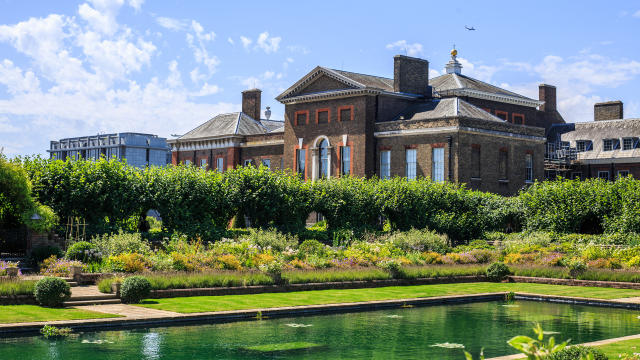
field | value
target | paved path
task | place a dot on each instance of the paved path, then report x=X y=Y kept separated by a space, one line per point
x=83 y=291
x=130 y=311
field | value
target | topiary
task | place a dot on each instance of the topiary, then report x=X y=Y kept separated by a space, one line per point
x=498 y=271
x=134 y=289
x=52 y=291
x=578 y=352
x=83 y=251
x=39 y=253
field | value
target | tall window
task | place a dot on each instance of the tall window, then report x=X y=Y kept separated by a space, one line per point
x=267 y=163
x=437 y=164
x=203 y=163
x=323 y=161
x=410 y=156
x=345 y=160
x=603 y=175
x=475 y=162
x=301 y=117
x=220 y=164
x=503 y=157
x=385 y=164
x=300 y=161
x=528 y=164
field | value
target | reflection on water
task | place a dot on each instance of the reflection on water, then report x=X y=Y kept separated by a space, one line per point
x=436 y=332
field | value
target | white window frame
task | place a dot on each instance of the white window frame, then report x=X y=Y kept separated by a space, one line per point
x=203 y=163
x=437 y=164
x=266 y=162
x=301 y=159
x=345 y=161
x=602 y=172
x=631 y=139
x=247 y=162
x=528 y=165
x=385 y=164
x=623 y=173
x=411 y=164
x=220 y=164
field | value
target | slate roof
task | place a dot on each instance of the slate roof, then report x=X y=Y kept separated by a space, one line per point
x=445 y=108
x=597 y=131
x=448 y=82
x=237 y=123
x=369 y=81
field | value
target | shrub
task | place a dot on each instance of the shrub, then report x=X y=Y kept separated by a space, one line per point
x=121 y=243
x=271 y=239
x=134 y=289
x=52 y=291
x=394 y=267
x=498 y=271
x=83 y=251
x=578 y=352
x=40 y=253
x=419 y=240
x=229 y=262
x=576 y=268
x=129 y=263
x=311 y=247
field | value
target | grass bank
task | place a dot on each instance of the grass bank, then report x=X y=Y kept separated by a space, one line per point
x=10 y=314
x=626 y=347
x=272 y=300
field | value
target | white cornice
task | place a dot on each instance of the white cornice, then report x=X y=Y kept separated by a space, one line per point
x=492 y=96
x=443 y=129
x=262 y=143
x=313 y=75
x=342 y=94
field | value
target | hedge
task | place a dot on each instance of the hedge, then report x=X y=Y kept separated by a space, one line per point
x=108 y=194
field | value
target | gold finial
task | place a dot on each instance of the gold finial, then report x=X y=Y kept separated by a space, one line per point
x=454 y=52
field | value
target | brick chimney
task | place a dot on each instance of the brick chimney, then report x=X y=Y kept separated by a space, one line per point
x=411 y=75
x=547 y=93
x=610 y=110
x=251 y=103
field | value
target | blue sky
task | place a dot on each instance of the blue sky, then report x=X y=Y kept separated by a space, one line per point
x=78 y=68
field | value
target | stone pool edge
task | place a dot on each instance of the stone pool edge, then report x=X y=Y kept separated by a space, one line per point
x=169 y=318
x=237 y=315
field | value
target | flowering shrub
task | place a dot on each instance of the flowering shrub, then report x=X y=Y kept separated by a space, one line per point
x=6 y=264
x=229 y=262
x=552 y=259
x=604 y=264
x=129 y=263
x=53 y=266
x=432 y=258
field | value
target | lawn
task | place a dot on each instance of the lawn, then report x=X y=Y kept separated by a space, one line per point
x=27 y=313
x=628 y=347
x=271 y=300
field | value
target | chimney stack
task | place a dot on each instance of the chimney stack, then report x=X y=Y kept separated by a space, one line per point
x=251 y=103
x=547 y=93
x=610 y=110
x=411 y=75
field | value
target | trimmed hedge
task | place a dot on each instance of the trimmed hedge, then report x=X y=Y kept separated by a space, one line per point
x=110 y=194
x=52 y=291
x=134 y=289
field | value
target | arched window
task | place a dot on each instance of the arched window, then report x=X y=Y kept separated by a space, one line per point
x=323 y=161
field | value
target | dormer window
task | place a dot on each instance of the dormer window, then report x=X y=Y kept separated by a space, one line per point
x=583 y=145
x=502 y=115
x=629 y=143
x=610 y=144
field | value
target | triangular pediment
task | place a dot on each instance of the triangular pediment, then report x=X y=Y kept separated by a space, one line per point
x=320 y=80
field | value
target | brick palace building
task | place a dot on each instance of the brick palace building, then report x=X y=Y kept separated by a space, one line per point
x=450 y=128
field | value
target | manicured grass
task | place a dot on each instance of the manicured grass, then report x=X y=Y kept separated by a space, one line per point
x=27 y=313
x=271 y=300
x=628 y=347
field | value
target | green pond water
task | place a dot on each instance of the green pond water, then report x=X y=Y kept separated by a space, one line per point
x=409 y=333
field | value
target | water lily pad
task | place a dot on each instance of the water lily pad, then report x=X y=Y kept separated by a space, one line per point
x=290 y=346
x=449 y=345
x=293 y=325
x=511 y=306
x=394 y=316
x=85 y=341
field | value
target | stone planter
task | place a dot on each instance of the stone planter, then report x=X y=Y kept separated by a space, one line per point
x=76 y=271
x=115 y=288
x=12 y=271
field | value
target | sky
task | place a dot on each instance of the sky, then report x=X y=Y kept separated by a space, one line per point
x=163 y=67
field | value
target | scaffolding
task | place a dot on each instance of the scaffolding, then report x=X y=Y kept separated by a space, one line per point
x=559 y=159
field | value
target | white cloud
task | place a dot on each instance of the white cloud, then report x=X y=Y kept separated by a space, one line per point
x=230 y=41
x=17 y=81
x=268 y=74
x=481 y=72
x=172 y=24
x=298 y=49
x=136 y=4
x=246 y=42
x=414 y=49
x=636 y=14
x=268 y=44
x=252 y=82
x=80 y=80
x=200 y=52
x=196 y=76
